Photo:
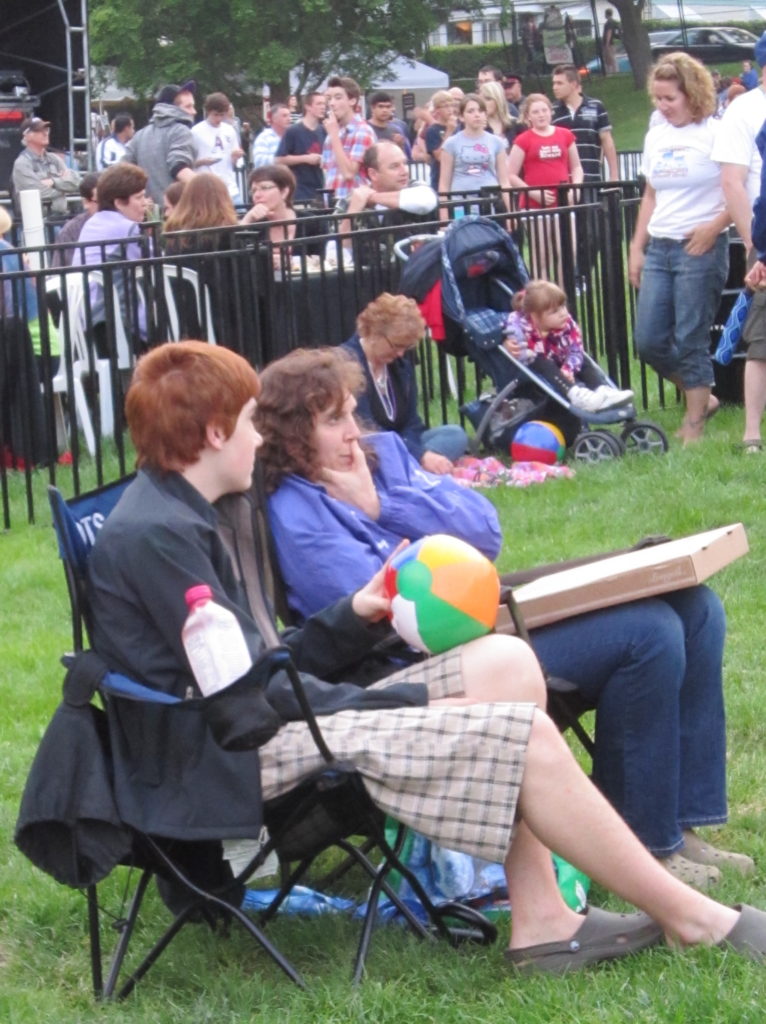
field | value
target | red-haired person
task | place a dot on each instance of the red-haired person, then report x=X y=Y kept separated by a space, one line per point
x=190 y=409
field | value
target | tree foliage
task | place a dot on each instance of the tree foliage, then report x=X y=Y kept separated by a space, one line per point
x=235 y=45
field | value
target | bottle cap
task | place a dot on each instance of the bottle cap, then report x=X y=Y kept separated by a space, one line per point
x=201 y=592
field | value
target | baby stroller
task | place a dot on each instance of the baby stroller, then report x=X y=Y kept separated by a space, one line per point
x=464 y=282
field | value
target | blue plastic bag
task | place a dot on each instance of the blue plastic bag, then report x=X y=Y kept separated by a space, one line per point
x=732 y=329
x=448 y=875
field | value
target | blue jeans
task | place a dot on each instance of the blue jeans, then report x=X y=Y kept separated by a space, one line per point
x=677 y=302
x=653 y=670
x=449 y=440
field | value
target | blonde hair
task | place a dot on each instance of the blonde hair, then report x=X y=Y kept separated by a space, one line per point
x=534 y=97
x=494 y=91
x=441 y=96
x=693 y=80
x=5 y=221
x=539 y=297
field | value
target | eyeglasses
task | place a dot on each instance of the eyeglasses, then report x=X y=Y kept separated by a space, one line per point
x=401 y=349
x=263 y=186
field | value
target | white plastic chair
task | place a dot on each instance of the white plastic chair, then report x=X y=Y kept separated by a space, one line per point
x=71 y=338
x=125 y=358
x=84 y=357
x=177 y=273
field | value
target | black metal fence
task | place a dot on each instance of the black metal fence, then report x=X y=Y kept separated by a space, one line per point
x=69 y=337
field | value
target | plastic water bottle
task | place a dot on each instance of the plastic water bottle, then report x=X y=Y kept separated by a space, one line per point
x=214 y=642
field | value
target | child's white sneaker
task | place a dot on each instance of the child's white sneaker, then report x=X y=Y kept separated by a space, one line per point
x=612 y=397
x=584 y=399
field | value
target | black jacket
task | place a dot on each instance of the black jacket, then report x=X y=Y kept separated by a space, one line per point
x=171 y=777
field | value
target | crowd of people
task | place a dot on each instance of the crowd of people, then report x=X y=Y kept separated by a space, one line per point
x=348 y=459
x=343 y=155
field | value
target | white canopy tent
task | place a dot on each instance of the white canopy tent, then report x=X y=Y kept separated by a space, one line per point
x=404 y=74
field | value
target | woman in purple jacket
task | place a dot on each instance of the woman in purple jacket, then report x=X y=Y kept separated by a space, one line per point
x=339 y=505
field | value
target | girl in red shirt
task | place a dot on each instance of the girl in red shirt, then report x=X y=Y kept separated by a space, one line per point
x=546 y=154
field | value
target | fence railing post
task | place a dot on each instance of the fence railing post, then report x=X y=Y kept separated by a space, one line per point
x=613 y=287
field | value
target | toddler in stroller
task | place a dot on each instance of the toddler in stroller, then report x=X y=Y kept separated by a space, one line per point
x=542 y=335
x=464 y=283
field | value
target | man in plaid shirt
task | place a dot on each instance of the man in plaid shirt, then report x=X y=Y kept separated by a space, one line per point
x=348 y=136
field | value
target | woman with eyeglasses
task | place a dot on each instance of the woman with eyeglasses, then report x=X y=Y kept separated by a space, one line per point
x=388 y=331
x=272 y=188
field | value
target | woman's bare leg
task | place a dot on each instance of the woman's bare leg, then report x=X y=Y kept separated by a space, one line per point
x=566 y=812
x=538 y=908
x=500 y=669
x=698 y=410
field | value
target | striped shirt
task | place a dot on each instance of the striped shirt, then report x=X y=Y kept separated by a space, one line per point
x=587 y=123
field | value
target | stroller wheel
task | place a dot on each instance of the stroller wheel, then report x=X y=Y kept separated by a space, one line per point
x=643 y=438
x=597 y=446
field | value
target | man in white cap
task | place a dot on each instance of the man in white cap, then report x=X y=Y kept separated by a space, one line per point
x=736 y=150
x=37 y=168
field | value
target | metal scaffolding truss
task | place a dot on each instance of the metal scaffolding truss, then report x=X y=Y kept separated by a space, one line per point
x=75 y=18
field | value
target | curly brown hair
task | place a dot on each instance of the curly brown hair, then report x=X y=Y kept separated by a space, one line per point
x=693 y=80
x=294 y=390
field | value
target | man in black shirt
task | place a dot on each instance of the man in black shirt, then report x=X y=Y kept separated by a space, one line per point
x=588 y=120
x=300 y=148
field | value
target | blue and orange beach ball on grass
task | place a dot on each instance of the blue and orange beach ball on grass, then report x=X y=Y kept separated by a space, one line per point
x=538 y=441
x=443 y=593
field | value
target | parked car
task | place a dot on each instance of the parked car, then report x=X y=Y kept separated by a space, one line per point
x=711 y=44
x=593 y=67
x=623 y=62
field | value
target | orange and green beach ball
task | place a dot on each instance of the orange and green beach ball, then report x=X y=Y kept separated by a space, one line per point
x=443 y=593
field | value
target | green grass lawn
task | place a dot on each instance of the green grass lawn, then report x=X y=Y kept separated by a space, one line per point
x=43 y=943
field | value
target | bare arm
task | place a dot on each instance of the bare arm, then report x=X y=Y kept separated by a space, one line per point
x=514 y=163
x=501 y=170
x=301 y=158
x=641 y=236
x=575 y=167
x=740 y=209
x=609 y=150
x=515 y=160
x=446 y=167
x=704 y=236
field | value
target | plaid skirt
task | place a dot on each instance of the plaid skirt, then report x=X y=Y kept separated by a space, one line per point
x=452 y=773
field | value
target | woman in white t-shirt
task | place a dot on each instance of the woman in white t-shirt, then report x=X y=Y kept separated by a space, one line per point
x=679 y=254
x=473 y=158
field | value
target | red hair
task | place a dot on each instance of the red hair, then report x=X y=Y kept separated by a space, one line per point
x=177 y=391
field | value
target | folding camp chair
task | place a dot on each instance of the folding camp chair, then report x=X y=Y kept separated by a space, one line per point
x=324 y=810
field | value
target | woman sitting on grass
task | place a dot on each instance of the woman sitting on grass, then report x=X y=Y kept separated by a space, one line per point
x=388 y=331
x=651 y=668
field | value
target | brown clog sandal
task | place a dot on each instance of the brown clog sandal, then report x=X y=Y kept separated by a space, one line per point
x=602 y=936
x=748 y=936
x=698 y=851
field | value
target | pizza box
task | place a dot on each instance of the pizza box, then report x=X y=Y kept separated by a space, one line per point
x=628 y=576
